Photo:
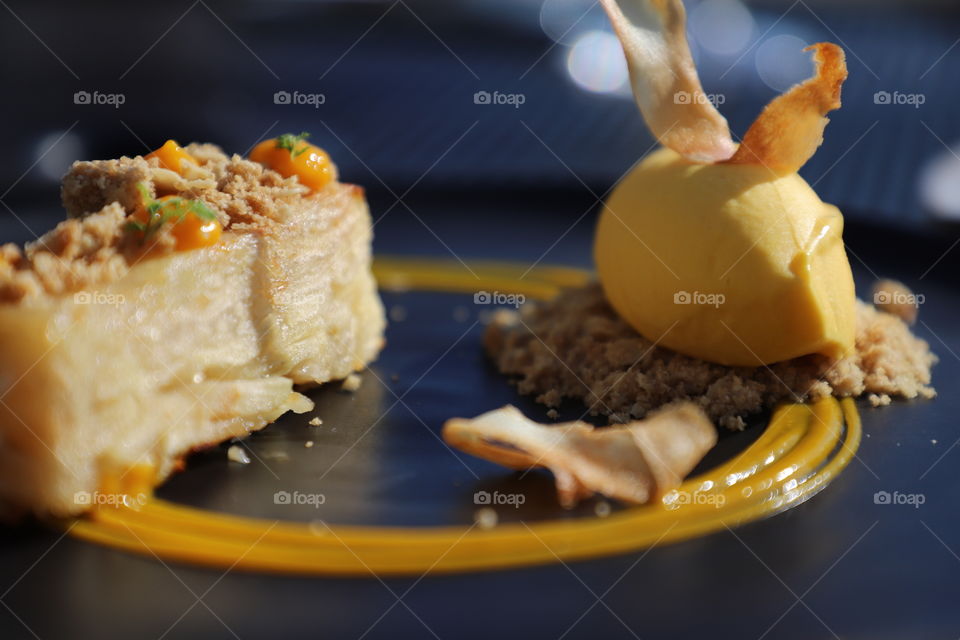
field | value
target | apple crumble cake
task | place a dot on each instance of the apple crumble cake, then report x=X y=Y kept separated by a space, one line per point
x=177 y=307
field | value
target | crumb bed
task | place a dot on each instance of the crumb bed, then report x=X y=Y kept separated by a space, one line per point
x=575 y=346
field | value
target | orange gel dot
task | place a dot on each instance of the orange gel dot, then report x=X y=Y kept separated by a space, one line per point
x=189 y=230
x=312 y=165
x=171 y=156
x=193 y=232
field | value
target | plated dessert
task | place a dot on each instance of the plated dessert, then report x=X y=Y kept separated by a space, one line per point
x=191 y=295
x=186 y=297
x=723 y=282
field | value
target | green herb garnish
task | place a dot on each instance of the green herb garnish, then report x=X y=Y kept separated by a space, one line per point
x=290 y=142
x=161 y=212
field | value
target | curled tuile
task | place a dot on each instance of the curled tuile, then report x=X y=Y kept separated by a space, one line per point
x=665 y=81
x=632 y=462
x=789 y=129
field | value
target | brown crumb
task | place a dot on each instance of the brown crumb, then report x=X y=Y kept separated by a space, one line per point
x=236 y=453
x=878 y=399
x=76 y=253
x=485 y=518
x=575 y=346
x=351 y=383
x=398 y=313
x=553 y=414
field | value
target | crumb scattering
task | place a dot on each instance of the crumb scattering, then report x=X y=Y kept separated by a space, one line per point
x=236 y=453
x=878 y=399
x=315 y=422
x=308 y=444
x=398 y=313
x=576 y=346
x=486 y=518
x=351 y=383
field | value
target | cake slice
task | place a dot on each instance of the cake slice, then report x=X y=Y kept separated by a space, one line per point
x=176 y=308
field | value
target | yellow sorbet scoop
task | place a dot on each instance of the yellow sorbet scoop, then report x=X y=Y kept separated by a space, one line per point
x=730 y=263
x=738 y=262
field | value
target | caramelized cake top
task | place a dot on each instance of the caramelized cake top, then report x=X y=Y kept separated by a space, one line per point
x=95 y=244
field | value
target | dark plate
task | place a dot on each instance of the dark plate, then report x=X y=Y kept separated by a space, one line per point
x=839 y=564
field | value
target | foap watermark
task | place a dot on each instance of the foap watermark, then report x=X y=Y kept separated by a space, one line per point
x=677 y=498
x=299 y=98
x=912 y=99
x=699 y=298
x=698 y=97
x=102 y=499
x=99 y=297
x=512 y=99
x=97 y=98
x=500 y=298
x=297 y=498
x=911 y=499
x=898 y=298
x=485 y=498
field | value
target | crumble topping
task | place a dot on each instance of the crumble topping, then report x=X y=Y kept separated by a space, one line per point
x=91 y=247
x=576 y=346
x=77 y=253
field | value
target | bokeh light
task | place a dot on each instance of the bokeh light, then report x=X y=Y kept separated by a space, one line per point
x=721 y=27
x=596 y=63
x=55 y=151
x=564 y=21
x=781 y=62
x=940 y=185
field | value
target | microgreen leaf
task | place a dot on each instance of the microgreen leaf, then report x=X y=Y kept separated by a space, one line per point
x=161 y=212
x=202 y=211
x=144 y=192
x=295 y=144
